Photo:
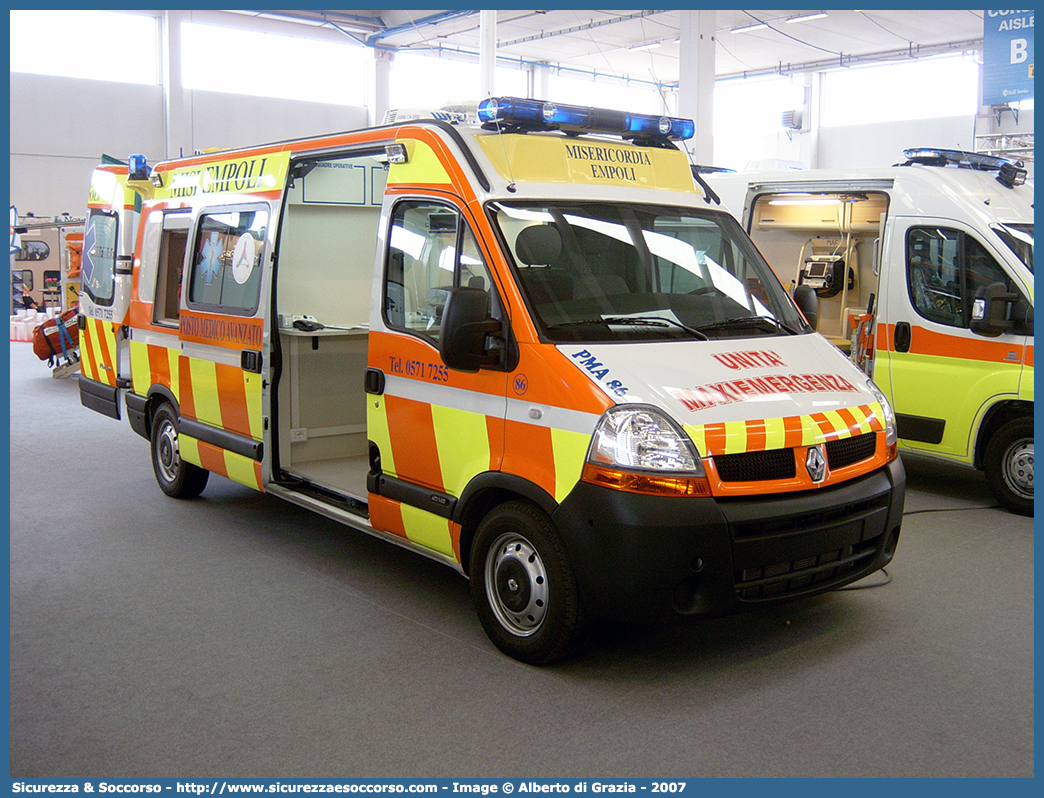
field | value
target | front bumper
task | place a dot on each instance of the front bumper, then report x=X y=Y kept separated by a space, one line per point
x=640 y=557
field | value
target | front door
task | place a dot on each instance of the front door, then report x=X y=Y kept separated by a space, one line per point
x=433 y=429
x=942 y=375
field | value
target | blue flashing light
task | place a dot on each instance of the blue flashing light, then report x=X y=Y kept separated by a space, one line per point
x=540 y=115
x=968 y=160
x=137 y=167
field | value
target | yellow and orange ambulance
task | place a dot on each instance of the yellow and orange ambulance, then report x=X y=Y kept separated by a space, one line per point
x=528 y=348
x=924 y=274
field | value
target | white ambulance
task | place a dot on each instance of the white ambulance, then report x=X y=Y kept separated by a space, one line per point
x=924 y=274
x=528 y=348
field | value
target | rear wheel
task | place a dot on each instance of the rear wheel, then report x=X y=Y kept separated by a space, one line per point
x=176 y=478
x=522 y=586
x=1009 y=465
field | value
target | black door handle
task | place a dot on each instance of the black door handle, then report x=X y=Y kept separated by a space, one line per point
x=250 y=360
x=903 y=336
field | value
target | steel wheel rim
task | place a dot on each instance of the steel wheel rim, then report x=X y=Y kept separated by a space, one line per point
x=168 y=455
x=516 y=585
x=1018 y=467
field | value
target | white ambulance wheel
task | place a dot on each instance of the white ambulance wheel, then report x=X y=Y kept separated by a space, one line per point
x=1009 y=465
x=522 y=586
x=176 y=478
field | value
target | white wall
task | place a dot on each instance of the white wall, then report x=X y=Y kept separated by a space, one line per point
x=882 y=144
x=61 y=126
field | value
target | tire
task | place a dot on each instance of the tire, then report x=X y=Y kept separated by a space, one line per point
x=1009 y=465
x=176 y=478
x=522 y=586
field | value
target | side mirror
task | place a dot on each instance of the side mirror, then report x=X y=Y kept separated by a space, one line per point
x=990 y=310
x=807 y=300
x=462 y=334
x=1022 y=317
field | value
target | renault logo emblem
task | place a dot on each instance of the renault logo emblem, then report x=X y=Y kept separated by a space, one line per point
x=816 y=463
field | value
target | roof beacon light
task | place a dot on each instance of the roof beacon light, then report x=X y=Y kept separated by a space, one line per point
x=1011 y=175
x=524 y=115
x=137 y=167
x=1011 y=172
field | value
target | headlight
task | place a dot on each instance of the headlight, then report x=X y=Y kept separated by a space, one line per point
x=891 y=436
x=637 y=448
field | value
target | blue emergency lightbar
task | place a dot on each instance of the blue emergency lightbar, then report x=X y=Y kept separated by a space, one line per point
x=968 y=160
x=1010 y=172
x=514 y=112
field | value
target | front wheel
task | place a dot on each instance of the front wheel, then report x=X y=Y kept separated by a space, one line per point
x=176 y=478
x=522 y=586
x=1009 y=465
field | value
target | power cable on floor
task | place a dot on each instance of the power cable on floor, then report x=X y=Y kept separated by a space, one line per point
x=878 y=583
x=952 y=509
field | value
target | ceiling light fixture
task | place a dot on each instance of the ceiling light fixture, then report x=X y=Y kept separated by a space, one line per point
x=745 y=28
x=806 y=17
x=646 y=46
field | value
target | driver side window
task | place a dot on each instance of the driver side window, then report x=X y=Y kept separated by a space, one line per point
x=431 y=250
x=945 y=269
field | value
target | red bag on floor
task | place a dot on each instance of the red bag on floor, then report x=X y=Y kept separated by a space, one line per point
x=49 y=337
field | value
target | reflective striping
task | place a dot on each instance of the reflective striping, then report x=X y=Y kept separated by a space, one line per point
x=162 y=363
x=570 y=452
x=97 y=356
x=529 y=452
x=386 y=515
x=141 y=368
x=964 y=347
x=377 y=431
x=428 y=530
x=190 y=449
x=462 y=442
x=489 y=404
x=219 y=461
x=413 y=432
x=562 y=418
x=734 y=437
x=206 y=403
x=253 y=388
x=243 y=470
x=232 y=401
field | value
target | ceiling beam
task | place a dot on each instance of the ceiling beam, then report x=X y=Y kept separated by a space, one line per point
x=578 y=28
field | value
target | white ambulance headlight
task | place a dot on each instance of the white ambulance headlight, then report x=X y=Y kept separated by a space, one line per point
x=642 y=437
x=891 y=435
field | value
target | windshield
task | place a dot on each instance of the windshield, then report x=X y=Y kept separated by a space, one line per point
x=1019 y=238
x=606 y=272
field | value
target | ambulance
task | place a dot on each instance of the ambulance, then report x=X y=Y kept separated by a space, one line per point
x=924 y=275
x=528 y=348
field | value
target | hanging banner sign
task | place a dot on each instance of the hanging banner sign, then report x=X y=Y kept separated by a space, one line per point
x=1007 y=70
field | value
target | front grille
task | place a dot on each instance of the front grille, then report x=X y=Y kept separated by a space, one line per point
x=756 y=466
x=851 y=450
x=798 y=576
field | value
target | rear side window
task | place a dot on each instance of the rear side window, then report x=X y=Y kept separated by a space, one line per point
x=98 y=267
x=226 y=261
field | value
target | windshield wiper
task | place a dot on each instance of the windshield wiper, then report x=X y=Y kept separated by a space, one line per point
x=634 y=321
x=748 y=321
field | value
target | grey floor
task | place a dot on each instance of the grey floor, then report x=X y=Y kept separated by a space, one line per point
x=239 y=636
